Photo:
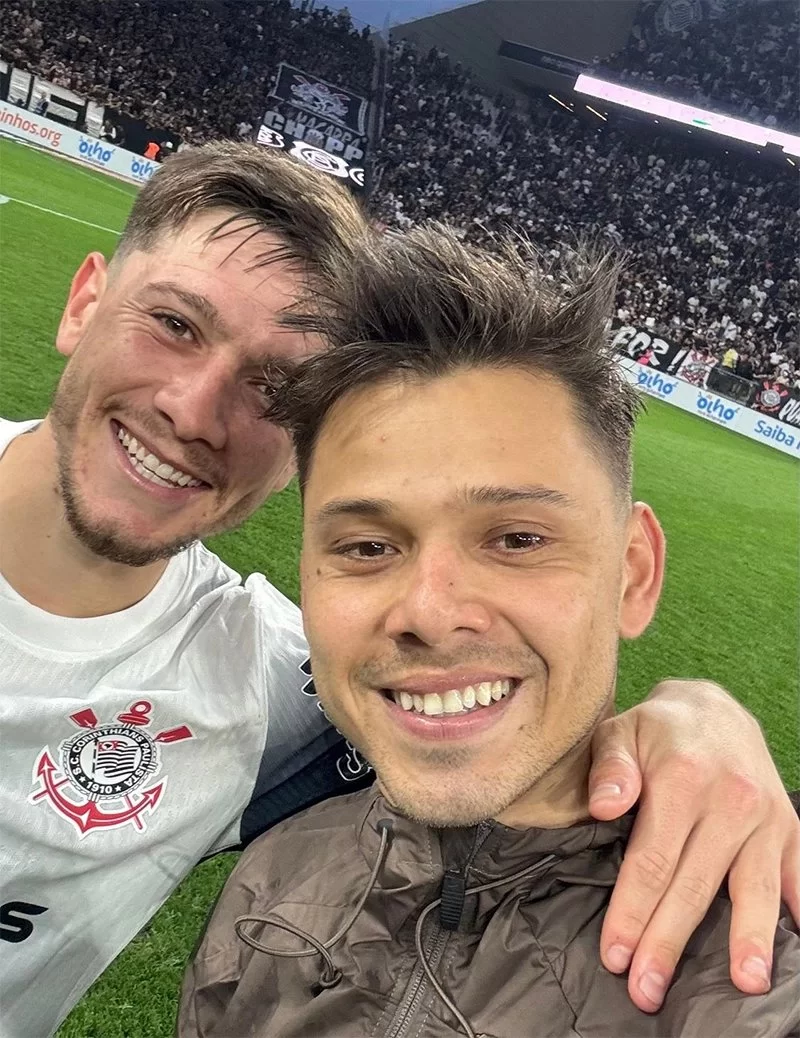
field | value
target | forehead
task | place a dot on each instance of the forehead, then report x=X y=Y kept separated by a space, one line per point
x=421 y=442
x=237 y=273
x=240 y=258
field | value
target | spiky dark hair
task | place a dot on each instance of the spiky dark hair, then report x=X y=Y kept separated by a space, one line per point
x=423 y=304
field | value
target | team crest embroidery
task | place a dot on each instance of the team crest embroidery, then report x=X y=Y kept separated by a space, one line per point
x=100 y=781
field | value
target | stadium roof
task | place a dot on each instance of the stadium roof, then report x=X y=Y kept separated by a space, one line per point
x=385 y=13
x=472 y=35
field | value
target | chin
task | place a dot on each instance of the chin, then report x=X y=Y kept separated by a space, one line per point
x=452 y=807
x=110 y=539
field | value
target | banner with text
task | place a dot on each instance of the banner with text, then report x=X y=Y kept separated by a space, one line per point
x=694 y=366
x=648 y=348
x=326 y=118
x=712 y=408
x=63 y=140
x=350 y=174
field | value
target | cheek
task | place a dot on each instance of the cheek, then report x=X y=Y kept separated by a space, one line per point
x=570 y=620
x=263 y=453
x=337 y=620
x=583 y=640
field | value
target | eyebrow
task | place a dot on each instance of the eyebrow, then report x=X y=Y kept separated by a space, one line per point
x=200 y=303
x=381 y=508
x=527 y=492
x=267 y=363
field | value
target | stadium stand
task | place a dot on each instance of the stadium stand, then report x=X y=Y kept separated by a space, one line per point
x=195 y=68
x=741 y=59
x=711 y=236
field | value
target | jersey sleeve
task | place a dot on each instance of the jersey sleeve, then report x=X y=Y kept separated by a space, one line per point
x=305 y=759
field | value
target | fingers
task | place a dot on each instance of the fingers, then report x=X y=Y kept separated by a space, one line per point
x=790 y=873
x=654 y=849
x=672 y=872
x=754 y=886
x=695 y=882
x=615 y=781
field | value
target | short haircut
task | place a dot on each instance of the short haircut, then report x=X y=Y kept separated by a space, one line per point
x=317 y=219
x=423 y=305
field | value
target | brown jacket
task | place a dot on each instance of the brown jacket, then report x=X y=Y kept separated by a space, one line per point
x=518 y=959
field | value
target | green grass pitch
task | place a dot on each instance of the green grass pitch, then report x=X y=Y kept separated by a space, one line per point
x=729 y=507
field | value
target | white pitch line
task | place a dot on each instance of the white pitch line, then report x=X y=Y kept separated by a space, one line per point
x=65 y=216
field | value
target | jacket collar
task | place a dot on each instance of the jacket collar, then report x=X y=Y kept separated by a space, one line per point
x=491 y=849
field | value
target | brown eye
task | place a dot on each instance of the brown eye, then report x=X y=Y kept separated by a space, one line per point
x=365 y=550
x=518 y=542
x=174 y=326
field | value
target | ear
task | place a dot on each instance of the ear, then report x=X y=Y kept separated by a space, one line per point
x=85 y=293
x=643 y=575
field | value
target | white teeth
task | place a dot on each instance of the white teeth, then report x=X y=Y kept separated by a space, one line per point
x=455 y=700
x=148 y=465
x=150 y=475
x=433 y=703
x=483 y=693
x=451 y=702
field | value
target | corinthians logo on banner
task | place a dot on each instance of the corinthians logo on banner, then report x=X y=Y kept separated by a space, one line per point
x=101 y=778
x=334 y=103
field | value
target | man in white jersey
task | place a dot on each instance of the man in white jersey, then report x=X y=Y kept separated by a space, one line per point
x=154 y=708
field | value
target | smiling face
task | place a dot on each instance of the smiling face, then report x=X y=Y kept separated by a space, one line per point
x=158 y=416
x=468 y=568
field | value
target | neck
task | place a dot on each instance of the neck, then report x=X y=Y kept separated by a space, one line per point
x=40 y=556
x=561 y=797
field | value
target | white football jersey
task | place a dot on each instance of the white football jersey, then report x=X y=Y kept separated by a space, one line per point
x=133 y=745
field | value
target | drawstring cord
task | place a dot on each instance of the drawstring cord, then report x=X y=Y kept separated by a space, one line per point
x=331 y=975
x=529 y=870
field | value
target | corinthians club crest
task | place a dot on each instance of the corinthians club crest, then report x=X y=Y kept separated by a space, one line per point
x=101 y=779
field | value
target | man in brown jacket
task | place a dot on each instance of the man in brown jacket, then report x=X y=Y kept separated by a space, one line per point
x=471 y=559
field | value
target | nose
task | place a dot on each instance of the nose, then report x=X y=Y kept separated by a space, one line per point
x=439 y=601
x=195 y=402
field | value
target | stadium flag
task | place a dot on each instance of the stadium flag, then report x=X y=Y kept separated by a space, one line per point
x=647 y=348
x=695 y=367
x=312 y=94
x=320 y=124
x=777 y=400
x=790 y=411
x=336 y=166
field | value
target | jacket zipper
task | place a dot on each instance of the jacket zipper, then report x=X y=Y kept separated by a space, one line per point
x=417 y=986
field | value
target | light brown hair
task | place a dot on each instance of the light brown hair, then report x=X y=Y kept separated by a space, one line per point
x=423 y=304
x=317 y=219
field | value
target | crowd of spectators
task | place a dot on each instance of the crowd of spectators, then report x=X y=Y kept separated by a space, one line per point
x=711 y=237
x=741 y=57
x=196 y=67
